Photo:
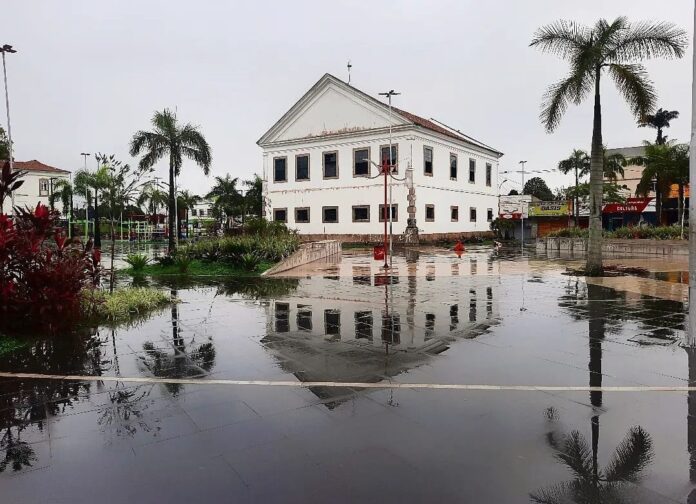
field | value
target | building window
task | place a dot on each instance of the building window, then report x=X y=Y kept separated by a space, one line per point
x=361 y=213
x=43 y=187
x=454 y=213
x=302 y=214
x=282 y=317
x=453 y=166
x=428 y=161
x=394 y=213
x=391 y=328
x=304 y=317
x=392 y=160
x=472 y=214
x=472 y=171
x=429 y=213
x=429 y=325
x=280 y=214
x=332 y=322
x=193 y=212
x=329 y=214
x=210 y=212
x=330 y=165
x=361 y=162
x=363 y=325
x=302 y=167
x=489 y=174
x=280 y=169
x=489 y=215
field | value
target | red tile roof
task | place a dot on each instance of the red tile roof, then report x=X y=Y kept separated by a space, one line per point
x=34 y=166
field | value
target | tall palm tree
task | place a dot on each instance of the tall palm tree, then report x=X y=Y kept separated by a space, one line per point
x=226 y=196
x=151 y=198
x=659 y=120
x=88 y=182
x=254 y=195
x=579 y=162
x=186 y=201
x=613 y=165
x=169 y=138
x=63 y=191
x=615 y=49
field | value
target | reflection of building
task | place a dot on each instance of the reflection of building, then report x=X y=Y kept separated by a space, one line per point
x=382 y=326
x=39 y=181
x=321 y=178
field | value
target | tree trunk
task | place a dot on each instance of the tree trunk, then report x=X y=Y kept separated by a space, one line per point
x=576 y=207
x=172 y=217
x=593 y=266
x=112 y=276
x=97 y=229
x=660 y=139
x=681 y=209
x=658 y=201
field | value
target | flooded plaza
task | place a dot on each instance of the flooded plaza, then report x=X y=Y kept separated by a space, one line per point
x=448 y=379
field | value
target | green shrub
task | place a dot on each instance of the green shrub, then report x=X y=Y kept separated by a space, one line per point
x=626 y=233
x=231 y=249
x=123 y=305
x=137 y=261
x=182 y=262
x=250 y=261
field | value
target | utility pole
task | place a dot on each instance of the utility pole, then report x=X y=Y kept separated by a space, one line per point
x=389 y=95
x=691 y=334
x=8 y=49
x=85 y=155
x=523 y=163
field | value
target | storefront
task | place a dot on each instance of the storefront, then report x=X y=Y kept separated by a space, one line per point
x=548 y=216
x=633 y=212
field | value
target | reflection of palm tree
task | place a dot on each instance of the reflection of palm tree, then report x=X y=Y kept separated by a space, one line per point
x=590 y=484
x=18 y=454
x=124 y=413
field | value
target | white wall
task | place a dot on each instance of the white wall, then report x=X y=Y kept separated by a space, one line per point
x=28 y=193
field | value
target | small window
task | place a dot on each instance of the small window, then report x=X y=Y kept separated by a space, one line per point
x=472 y=214
x=332 y=322
x=302 y=167
x=394 y=213
x=454 y=213
x=489 y=215
x=361 y=162
x=363 y=325
x=329 y=214
x=453 y=166
x=282 y=317
x=392 y=160
x=280 y=169
x=304 y=317
x=489 y=174
x=472 y=171
x=330 y=165
x=429 y=325
x=193 y=212
x=361 y=213
x=280 y=214
x=428 y=161
x=43 y=187
x=429 y=213
x=302 y=215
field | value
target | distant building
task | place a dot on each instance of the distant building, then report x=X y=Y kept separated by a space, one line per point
x=321 y=169
x=39 y=181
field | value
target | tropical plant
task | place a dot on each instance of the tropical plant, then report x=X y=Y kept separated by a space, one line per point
x=10 y=181
x=152 y=198
x=182 y=262
x=4 y=145
x=536 y=186
x=123 y=305
x=250 y=261
x=227 y=200
x=137 y=262
x=616 y=49
x=254 y=196
x=659 y=120
x=186 y=201
x=92 y=184
x=578 y=162
x=178 y=142
x=63 y=191
x=501 y=227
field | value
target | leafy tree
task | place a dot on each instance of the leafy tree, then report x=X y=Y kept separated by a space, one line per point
x=227 y=200
x=612 y=165
x=254 y=196
x=91 y=184
x=152 y=198
x=513 y=192
x=659 y=120
x=615 y=49
x=538 y=188
x=578 y=162
x=501 y=227
x=611 y=192
x=4 y=145
x=169 y=138
x=10 y=181
x=63 y=191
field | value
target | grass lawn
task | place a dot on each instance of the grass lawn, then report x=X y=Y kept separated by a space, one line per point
x=199 y=268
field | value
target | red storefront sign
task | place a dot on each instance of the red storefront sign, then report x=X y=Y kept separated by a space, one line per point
x=632 y=205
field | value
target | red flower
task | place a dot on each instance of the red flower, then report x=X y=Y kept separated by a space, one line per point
x=41 y=211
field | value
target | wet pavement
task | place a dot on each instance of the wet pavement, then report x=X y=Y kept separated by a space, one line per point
x=482 y=319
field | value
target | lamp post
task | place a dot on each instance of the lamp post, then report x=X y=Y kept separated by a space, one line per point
x=8 y=49
x=85 y=155
x=390 y=167
x=523 y=163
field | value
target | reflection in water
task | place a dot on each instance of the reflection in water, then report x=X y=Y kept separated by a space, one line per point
x=590 y=483
x=691 y=420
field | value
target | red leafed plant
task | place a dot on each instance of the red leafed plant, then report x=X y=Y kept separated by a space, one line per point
x=42 y=273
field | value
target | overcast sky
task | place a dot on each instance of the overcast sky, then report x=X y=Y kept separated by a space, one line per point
x=89 y=74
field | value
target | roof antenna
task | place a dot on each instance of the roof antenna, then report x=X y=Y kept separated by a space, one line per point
x=349 y=67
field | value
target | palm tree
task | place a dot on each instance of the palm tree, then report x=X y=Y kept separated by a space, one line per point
x=612 y=165
x=186 y=201
x=659 y=120
x=86 y=182
x=615 y=48
x=169 y=138
x=63 y=190
x=254 y=195
x=579 y=162
x=151 y=198
x=226 y=196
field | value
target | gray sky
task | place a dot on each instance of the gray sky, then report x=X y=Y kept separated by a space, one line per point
x=89 y=74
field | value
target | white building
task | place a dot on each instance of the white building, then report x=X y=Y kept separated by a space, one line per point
x=39 y=181
x=322 y=177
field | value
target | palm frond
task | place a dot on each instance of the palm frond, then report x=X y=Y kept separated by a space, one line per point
x=631 y=456
x=555 y=494
x=647 y=40
x=576 y=454
x=556 y=99
x=634 y=85
x=195 y=147
x=165 y=123
x=564 y=38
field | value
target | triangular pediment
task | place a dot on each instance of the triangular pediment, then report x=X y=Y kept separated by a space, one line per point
x=330 y=107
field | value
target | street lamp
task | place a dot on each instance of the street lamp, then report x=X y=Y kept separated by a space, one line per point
x=8 y=49
x=388 y=167
x=85 y=155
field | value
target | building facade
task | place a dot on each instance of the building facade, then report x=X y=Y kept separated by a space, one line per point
x=322 y=169
x=39 y=181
